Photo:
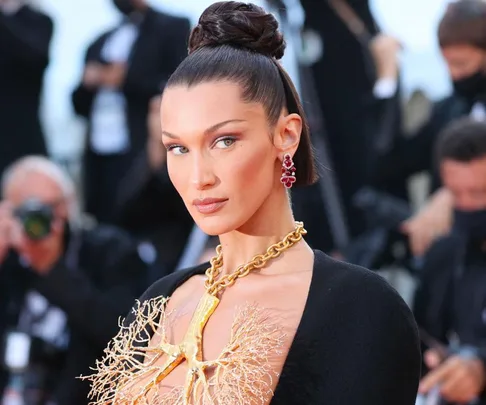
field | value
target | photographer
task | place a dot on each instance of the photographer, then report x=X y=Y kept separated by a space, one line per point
x=450 y=303
x=124 y=68
x=462 y=41
x=62 y=287
x=25 y=37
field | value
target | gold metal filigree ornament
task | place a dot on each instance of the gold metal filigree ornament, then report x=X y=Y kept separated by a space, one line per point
x=131 y=370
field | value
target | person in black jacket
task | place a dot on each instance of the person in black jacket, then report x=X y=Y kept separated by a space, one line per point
x=124 y=69
x=462 y=40
x=148 y=205
x=450 y=302
x=63 y=287
x=355 y=80
x=25 y=37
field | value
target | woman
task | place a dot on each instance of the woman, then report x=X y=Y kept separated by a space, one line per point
x=270 y=320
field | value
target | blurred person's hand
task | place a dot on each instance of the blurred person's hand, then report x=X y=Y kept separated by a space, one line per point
x=156 y=151
x=385 y=49
x=10 y=231
x=461 y=380
x=93 y=72
x=113 y=75
x=430 y=223
x=97 y=74
x=433 y=358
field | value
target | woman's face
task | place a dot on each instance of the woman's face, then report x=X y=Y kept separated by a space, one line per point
x=221 y=156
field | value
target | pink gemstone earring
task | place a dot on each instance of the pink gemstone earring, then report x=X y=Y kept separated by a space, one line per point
x=288 y=171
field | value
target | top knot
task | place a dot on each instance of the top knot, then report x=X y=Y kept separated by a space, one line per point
x=243 y=25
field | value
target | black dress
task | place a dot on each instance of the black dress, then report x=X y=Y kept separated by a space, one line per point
x=356 y=344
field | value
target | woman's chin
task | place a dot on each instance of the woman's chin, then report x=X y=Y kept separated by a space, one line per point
x=215 y=225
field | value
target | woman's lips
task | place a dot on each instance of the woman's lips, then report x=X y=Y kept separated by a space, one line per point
x=209 y=205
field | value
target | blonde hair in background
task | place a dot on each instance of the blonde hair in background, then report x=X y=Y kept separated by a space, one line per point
x=50 y=169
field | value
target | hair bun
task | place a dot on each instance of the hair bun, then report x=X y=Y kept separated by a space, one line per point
x=239 y=24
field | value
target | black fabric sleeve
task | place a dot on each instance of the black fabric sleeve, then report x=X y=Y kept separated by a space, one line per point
x=140 y=178
x=409 y=155
x=372 y=344
x=82 y=96
x=94 y=312
x=424 y=290
x=147 y=86
x=26 y=35
x=414 y=154
x=433 y=282
x=142 y=184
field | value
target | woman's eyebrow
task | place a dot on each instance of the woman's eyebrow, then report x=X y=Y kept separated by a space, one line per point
x=209 y=130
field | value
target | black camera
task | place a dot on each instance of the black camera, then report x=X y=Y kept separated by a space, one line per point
x=36 y=218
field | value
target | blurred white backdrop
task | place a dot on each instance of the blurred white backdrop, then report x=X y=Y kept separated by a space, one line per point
x=79 y=22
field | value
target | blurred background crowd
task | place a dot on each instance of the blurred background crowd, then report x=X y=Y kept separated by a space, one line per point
x=396 y=96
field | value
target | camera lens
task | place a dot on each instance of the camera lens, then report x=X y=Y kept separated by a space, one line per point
x=37 y=226
x=36 y=219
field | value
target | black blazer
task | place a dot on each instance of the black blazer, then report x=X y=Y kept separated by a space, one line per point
x=108 y=276
x=160 y=47
x=434 y=294
x=149 y=207
x=24 y=55
x=415 y=154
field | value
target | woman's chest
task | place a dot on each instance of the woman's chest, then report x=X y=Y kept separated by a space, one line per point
x=223 y=352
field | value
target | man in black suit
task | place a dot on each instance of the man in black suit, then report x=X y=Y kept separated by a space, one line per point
x=25 y=36
x=348 y=74
x=124 y=69
x=462 y=42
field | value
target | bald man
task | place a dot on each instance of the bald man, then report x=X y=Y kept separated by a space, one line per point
x=62 y=287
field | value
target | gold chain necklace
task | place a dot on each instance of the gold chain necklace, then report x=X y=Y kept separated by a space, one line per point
x=214 y=287
x=190 y=349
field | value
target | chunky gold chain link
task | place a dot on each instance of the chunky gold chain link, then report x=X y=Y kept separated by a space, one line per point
x=214 y=285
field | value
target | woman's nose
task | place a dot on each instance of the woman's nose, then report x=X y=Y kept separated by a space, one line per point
x=202 y=173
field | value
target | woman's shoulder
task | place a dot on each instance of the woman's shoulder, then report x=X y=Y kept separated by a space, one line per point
x=360 y=304
x=340 y=274
x=356 y=288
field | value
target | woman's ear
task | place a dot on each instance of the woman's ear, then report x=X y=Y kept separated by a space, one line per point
x=287 y=134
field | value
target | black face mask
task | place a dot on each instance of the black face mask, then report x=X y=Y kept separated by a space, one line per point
x=124 y=6
x=470 y=223
x=472 y=86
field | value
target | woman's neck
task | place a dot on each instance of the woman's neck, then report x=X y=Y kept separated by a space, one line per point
x=270 y=224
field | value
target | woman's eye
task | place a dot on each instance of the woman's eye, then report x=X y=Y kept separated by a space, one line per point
x=225 y=143
x=177 y=149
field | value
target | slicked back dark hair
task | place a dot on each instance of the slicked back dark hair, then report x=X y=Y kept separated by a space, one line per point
x=240 y=43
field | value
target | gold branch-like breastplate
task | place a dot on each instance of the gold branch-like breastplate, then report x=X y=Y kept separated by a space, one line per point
x=140 y=357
